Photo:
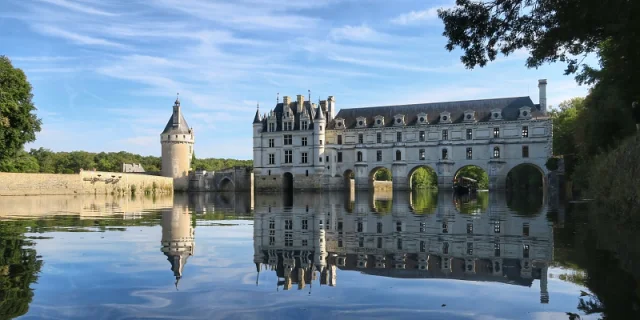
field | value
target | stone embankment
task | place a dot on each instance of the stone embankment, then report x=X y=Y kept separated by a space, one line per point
x=86 y=182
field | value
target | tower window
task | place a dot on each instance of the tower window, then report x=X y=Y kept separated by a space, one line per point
x=379 y=155
x=421 y=154
x=496 y=132
x=359 y=156
x=445 y=154
x=379 y=227
x=360 y=138
x=399 y=136
x=469 y=153
x=398 y=155
x=445 y=134
x=469 y=134
x=496 y=152
x=422 y=136
x=378 y=137
x=525 y=132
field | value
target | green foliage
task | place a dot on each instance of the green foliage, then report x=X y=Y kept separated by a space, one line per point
x=565 y=125
x=21 y=162
x=383 y=174
x=18 y=125
x=424 y=178
x=215 y=164
x=424 y=201
x=552 y=163
x=477 y=174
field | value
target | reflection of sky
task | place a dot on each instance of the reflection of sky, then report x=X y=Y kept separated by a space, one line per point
x=124 y=275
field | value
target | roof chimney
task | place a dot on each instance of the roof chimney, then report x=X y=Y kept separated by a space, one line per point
x=300 y=102
x=542 y=87
x=286 y=100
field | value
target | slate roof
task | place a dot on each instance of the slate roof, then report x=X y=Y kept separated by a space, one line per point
x=509 y=106
x=183 y=128
x=293 y=105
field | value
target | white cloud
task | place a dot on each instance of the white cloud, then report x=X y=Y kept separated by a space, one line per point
x=387 y=64
x=361 y=33
x=418 y=17
x=75 y=37
x=78 y=7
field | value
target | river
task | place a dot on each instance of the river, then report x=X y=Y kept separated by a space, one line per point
x=401 y=255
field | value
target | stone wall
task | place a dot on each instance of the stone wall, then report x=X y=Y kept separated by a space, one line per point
x=86 y=182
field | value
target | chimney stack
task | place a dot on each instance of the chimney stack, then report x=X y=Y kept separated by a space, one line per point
x=542 y=87
x=286 y=100
x=300 y=103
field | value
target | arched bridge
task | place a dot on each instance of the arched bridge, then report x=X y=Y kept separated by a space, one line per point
x=229 y=179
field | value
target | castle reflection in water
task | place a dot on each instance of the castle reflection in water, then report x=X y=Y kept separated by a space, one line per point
x=308 y=237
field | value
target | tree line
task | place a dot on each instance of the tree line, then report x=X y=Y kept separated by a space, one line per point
x=46 y=161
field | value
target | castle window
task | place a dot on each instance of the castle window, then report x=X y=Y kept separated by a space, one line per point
x=339 y=225
x=421 y=154
x=496 y=152
x=379 y=243
x=176 y=136
x=288 y=224
x=339 y=139
x=272 y=241
x=339 y=156
x=305 y=125
x=272 y=143
x=288 y=239
x=320 y=129
x=269 y=172
x=525 y=151
x=379 y=137
x=445 y=154
x=361 y=242
x=496 y=251
x=445 y=248
x=327 y=160
x=379 y=155
x=525 y=229
x=288 y=126
x=469 y=134
x=469 y=153
x=469 y=248
x=398 y=155
x=445 y=227
x=320 y=142
x=304 y=141
x=288 y=140
x=422 y=135
x=496 y=132
x=359 y=226
x=359 y=156
x=399 y=136
x=445 y=134
x=288 y=156
x=399 y=244
x=423 y=246
x=304 y=157
x=305 y=224
x=399 y=226
x=319 y=159
x=339 y=243
x=304 y=242
x=496 y=227
x=525 y=132
x=379 y=227
x=360 y=138
x=272 y=158
x=423 y=227
x=469 y=228
x=306 y=173
x=525 y=251
x=272 y=127
x=169 y=137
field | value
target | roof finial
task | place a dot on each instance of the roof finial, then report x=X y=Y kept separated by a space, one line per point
x=258 y=106
x=309 y=95
x=278 y=98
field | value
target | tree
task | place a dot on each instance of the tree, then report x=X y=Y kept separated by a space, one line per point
x=475 y=173
x=550 y=31
x=565 y=124
x=21 y=162
x=424 y=178
x=18 y=125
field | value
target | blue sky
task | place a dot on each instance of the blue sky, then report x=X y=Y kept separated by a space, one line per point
x=105 y=73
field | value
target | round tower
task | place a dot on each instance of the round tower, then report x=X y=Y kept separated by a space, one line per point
x=177 y=241
x=177 y=141
x=257 y=139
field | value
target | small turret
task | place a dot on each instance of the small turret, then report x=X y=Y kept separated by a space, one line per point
x=257 y=118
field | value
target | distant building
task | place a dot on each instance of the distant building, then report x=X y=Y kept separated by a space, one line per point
x=132 y=168
x=302 y=145
x=177 y=141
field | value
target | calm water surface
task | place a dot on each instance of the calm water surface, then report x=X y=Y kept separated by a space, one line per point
x=296 y=256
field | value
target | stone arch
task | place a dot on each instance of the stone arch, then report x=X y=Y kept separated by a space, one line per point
x=423 y=166
x=287 y=181
x=536 y=177
x=372 y=176
x=470 y=169
x=226 y=184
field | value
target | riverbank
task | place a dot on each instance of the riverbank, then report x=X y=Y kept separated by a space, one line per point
x=86 y=182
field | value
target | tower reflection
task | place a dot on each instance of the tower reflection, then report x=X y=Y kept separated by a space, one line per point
x=177 y=235
x=403 y=235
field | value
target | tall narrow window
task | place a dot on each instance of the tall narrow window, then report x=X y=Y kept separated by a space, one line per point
x=272 y=143
x=360 y=138
x=470 y=228
x=525 y=132
x=379 y=155
x=288 y=156
x=496 y=132
x=445 y=154
x=469 y=134
x=304 y=141
x=422 y=136
x=421 y=154
x=272 y=158
x=399 y=226
x=445 y=134
x=359 y=156
x=399 y=136
x=288 y=224
x=525 y=151
x=272 y=127
x=339 y=156
x=445 y=248
x=288 y=139
x=320 y=142
x=320 y=128
x=496 y=248
x=525 y=229
x=304 y=157
x=469 y=248
x=360 y=226
x=378 y=137
x=399 y=244
x=339 y=139
x=379 y=227
x=305 y=125
x=379 y=243
x=423 y=246
x=305 y=224
x=496 y=227
x=525 y=251
x=445 y=227
x=288 y=239
x=361 y=242
x=496 y=152
x=469 y=153
x=398 y=155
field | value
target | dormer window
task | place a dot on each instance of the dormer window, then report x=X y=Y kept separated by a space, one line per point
x=496 y=114
x=445 y=117
x=379 y=121
x=525 y=113
x=340 y=123
x=361 y=122
x=422 y=118
x=398 y=120
x=469 y=116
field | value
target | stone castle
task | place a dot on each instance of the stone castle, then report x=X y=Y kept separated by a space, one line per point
x=303 y=145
